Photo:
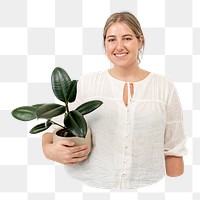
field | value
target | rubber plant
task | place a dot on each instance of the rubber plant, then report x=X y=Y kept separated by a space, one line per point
x=65 y=89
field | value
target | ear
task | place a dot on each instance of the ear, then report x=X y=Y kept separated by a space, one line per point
x=141 y=41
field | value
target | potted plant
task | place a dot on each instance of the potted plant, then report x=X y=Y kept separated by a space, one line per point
x=74 y=124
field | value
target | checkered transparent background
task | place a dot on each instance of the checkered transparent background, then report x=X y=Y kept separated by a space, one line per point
x=37 y=35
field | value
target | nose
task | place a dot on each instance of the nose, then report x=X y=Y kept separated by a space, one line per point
x=120 y=45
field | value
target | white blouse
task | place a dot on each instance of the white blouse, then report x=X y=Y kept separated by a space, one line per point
x=129 y=142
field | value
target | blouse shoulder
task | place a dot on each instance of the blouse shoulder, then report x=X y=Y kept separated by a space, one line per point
x=92 y=84
x=162 y=88
x=163 y=81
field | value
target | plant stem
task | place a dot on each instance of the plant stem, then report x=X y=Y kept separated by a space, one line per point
x=58 y=124
x=67 y=107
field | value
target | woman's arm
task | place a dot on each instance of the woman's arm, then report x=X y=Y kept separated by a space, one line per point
x=174 y=166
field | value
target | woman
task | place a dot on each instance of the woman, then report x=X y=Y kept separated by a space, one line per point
x=138 y=131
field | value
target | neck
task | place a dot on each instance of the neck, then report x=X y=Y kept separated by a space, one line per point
x=132 y=74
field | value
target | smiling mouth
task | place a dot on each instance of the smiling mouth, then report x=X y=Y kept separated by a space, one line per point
x=120 y=55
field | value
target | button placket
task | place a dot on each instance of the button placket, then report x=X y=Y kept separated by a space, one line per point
x=127 y=136
x=126 y=142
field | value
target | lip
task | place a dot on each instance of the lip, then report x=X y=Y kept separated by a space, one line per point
x=120 y=55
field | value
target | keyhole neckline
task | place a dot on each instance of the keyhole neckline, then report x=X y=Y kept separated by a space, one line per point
x=128 y=92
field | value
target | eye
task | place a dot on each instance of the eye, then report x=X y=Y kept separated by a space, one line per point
x=127 y=38
x=111 y=40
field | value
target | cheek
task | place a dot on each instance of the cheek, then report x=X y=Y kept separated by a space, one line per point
x=108 y=49
x=134 y=47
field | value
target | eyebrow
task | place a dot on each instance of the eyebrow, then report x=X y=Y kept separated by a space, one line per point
x=110 y=36
x=122 y=36
x=127 y=35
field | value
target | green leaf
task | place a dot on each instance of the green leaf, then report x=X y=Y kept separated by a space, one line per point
x=38 y=105
x=47 y=111
x=60 y=82
x=89 y=106
x=71 y=91
x=76 y=124
x=25 y=113
x=40 y=127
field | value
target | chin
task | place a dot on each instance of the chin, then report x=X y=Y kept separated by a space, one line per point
x=122 y=65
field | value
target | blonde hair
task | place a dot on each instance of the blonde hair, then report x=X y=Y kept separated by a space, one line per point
x=126 y=18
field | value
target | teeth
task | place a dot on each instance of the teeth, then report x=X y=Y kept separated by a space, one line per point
x=120 y=55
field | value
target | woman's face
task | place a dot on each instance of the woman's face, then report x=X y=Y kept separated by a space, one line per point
x=122 y=46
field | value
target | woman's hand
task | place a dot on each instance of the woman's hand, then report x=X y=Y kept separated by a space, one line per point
x=64 y=152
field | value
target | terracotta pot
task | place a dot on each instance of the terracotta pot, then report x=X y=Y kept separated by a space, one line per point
x=77 y=140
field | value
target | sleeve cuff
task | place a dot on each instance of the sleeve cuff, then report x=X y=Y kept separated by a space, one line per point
x=179 y=150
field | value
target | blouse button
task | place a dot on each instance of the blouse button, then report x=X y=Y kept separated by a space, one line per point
x=123 y=174
x=128 y=122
